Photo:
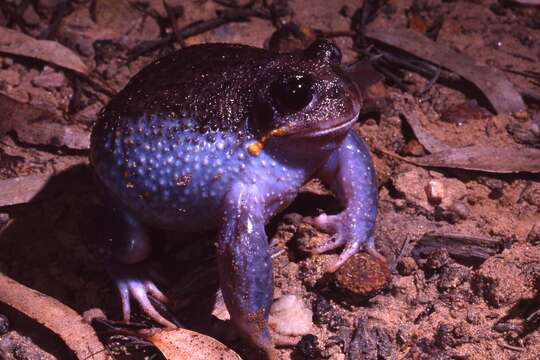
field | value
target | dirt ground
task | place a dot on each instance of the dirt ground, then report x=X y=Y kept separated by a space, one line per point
x=462 y=243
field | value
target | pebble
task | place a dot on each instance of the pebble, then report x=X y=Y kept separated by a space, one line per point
x=10 y=77
x=308 y=347
x=413 y=148
x=437 y=259
x=370 y=343
x=30 y=17
x=406 y=266
x=49 y=79
x=4 y=324
x=289 y=316
x=451 y=277
x=534 y=235
x=324 y=313
x=435 y=191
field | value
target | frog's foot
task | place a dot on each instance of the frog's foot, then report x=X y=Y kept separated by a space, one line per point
x=353 y=234
x=131 y=284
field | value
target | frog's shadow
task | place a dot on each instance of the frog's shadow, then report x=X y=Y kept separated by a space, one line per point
x=51 y=245
x=41 y=249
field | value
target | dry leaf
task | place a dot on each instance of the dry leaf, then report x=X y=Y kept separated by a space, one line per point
x=17 y=43
x=483 y=158
x=416 y=119
x=494 y=85
x=182 y=344
x=60 y=319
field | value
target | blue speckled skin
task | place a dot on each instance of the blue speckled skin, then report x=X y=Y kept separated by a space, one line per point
x=174 y=150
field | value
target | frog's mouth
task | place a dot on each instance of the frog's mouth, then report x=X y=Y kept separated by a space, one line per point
x=256 y=147
x=331 y=130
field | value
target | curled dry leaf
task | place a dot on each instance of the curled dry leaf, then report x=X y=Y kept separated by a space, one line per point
x=478 y=157
x=416 y=119
x=500 y=92
x=52 y=52
x=182 y=344
x=60 y=319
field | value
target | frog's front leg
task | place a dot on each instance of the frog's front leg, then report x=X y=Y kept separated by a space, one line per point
x=350 y=175
x=245 y=267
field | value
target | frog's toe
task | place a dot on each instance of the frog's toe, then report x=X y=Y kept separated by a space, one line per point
x=141 y=290
x=330 y=224
x=327 y=223
x=350 y=233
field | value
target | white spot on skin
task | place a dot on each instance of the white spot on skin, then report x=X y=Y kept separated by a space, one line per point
x=249 y=226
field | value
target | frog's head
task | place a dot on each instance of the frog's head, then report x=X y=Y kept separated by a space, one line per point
x=306 y=95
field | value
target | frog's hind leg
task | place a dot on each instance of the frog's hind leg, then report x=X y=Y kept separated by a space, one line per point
x=245 y=267
x=129 y=245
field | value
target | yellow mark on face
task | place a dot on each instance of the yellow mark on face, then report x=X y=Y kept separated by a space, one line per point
x=254 y=149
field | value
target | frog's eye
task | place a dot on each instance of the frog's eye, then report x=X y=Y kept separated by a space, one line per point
x=292 y=94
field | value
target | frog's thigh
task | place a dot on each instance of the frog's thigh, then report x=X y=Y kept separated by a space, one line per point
x=130 y=241
x=245 y=267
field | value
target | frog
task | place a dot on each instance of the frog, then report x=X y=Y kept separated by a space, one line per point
x=221 y=137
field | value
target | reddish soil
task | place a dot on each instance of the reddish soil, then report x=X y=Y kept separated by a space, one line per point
x=447 y=301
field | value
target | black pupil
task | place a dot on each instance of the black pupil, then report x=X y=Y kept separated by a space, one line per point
x=293 y=94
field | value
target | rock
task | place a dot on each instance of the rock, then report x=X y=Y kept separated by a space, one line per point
x=7 y=62
x=422 y=191
x=425 y=349
x=534 y=234
x=437 y=259
x=10 y=77
x=308 y=347
x=510 y=277
x=411 y=185
x=527 y=133
x=445 y=192
x=324 y=313
x=363 y=275
x=4 y=324
x=30 y=17
x=435 y=191
x=460 y=209
x=289 y=316
x=406 y=266
x=449 y=336
x=370 y=343
x=413 y=148
x=49 y=79
x=531 y=194
x=452 y=276
x=495 y=185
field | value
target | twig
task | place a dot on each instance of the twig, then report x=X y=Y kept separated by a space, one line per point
x=60 y=11
x=194 y=28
